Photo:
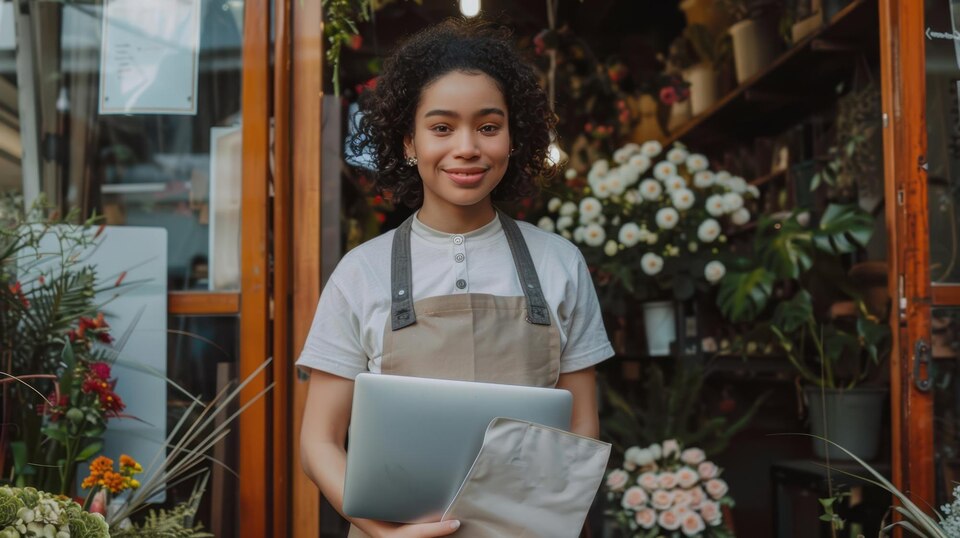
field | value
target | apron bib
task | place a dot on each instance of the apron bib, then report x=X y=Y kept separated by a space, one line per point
x=470 y=336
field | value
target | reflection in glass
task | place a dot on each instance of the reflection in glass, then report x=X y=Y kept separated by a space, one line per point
x=943 y=133
x=143 y=169
x=203 y=359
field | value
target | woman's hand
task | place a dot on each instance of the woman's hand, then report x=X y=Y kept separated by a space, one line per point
x=417 y=530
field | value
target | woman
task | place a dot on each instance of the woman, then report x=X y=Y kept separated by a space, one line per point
x=459 y=291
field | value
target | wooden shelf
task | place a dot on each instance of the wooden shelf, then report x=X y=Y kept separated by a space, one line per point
x=801 y=81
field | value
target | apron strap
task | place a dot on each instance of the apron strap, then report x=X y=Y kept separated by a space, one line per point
x=537 y=312
x=401 y=278
x=401 y=275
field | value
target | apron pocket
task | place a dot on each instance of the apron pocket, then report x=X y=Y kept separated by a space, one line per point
x=529 y=480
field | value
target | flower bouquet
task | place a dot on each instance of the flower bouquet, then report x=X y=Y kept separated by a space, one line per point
x=662 y=490
x=651 y=222
x=29 y=512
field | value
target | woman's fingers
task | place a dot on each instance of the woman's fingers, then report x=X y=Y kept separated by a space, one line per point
x=429 y=530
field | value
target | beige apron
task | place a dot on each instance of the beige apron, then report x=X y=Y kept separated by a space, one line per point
x=470 y=336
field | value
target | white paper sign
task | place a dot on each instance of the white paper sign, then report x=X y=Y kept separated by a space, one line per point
x=149 y=57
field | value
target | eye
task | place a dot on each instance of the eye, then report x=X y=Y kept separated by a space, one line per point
x=490 y=128
x=442 y=129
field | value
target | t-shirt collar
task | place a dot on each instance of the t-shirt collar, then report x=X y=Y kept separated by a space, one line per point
x=487 y=231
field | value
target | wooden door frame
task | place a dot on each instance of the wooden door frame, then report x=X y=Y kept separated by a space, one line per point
x=905 y=141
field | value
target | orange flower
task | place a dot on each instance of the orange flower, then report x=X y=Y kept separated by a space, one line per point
x=127 y=461
x=114 y=482
x=98 y=469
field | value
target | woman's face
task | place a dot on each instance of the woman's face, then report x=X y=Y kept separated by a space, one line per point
x=461 y=139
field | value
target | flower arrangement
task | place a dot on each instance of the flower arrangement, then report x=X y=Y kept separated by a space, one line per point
x=665 y=490
x=29 y=512
x=668 y=229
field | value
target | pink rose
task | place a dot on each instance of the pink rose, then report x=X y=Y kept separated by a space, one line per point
x=99 y=503
x=710 y=512
x=646 y=518
x=687 y=477
x=682 y=497
x=670 y=448
x=707 y=470
x=669 y=520
x=649 y=481
x=617 y=479
x=692 y=524
x=681 y=510
x=667 y=480
x=634 y=498
x=692 y=456
x=661 y=500
x=697 y=496
x=716 y=488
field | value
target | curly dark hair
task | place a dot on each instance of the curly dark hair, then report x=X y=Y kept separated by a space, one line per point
x=455 y=45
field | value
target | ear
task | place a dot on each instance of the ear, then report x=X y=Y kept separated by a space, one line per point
x=408 y=149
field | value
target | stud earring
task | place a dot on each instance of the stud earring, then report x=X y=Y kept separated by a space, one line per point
x=411 y=161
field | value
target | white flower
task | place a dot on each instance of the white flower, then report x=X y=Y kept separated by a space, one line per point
x=617 y=479
x=564 y=222
x=650 y=189
x=683 y=199
x=601 y=190
x=589 y=209
x=753 y=191
x=716 y=488
x=697 y=496
x=732 y=202
x=707 y=470
x=703 y=179
x=638 y=456
x=692 y=525
x=661 y=500
x=675 y=183
x=616 y=184
x=610 y=248
x=710 y=512
x=629 y=234
x=640 y=162
x=669 y=520
x=570 y=173
x=648 y=481
x=655 y=450
x=740 y=216
x=692 y=456
x=708 y=230
x=677 y=155
x=620 y=156
x=632 y=196
x=722 y=176
x=568 y=208
x=546 y=223
x=652 y=238
x=682 y=497
x=651 y=263
x=670 y=448
x=667 y=218
x=646 y=518
x=593 y=235
x=566 y=234
x=578 y=234
x=595 y=176
x=714 y=271
x=634 y=498
x=554 y=205
x=664 y=170
x=715 y=205
x=687 y=477
x=697 y=162
x=630 y=174
x=651 y=148
x=667 y=480
x=601 y=166
x=738 y=185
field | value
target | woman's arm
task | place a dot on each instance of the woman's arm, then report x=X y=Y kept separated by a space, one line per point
x=322 y=435
x=582 y=384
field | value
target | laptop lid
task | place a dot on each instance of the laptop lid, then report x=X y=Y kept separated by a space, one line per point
x=412 y=440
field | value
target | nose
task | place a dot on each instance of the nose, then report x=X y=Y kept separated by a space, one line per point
x=467 y=145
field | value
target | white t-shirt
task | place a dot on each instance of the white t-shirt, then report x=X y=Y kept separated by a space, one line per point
x=346 y=337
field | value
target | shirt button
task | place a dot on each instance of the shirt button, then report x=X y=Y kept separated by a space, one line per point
x=459 y=257
x=458 y=240
x=461 y=283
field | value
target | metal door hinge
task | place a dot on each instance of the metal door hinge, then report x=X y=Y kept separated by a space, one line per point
x=921 y=358
x=900 y=197
x=901 y=298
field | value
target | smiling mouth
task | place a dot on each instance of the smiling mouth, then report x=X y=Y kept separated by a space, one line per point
x=466 y=176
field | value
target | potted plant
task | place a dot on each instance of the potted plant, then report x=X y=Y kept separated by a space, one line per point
x=834 y=355
x=701 y=74
x=650 y=224
x=754 y=34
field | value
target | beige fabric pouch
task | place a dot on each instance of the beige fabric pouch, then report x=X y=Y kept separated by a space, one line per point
x=529 y=480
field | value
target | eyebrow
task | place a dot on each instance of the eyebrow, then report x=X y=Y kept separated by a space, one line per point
x=452 y=114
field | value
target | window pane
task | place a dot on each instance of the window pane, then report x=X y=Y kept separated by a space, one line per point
x=203 y=359
x=9 y=109
x=148 y=167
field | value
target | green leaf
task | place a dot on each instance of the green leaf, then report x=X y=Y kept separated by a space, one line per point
x=56 y=434
x=89 y=451
x=742 y=296
x=794 y=313
x=784 y=247
x=843 y=229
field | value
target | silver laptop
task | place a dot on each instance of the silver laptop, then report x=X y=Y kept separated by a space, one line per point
x=412 y=440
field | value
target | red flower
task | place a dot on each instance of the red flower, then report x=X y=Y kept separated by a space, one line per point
x=356 y=42
x=381 y=218
x=668 y=95
x=17 y=290
x=101 y=370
